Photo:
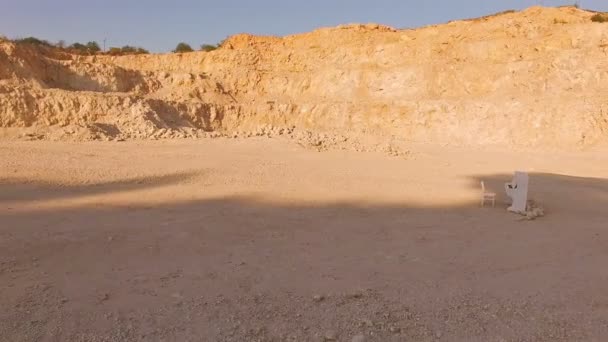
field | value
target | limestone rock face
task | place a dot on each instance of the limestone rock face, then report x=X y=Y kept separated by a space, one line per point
x=531 y=79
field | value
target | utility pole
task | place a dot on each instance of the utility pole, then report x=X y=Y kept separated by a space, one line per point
x=104 y=45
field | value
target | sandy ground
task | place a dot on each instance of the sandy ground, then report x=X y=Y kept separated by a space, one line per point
x=255 y=240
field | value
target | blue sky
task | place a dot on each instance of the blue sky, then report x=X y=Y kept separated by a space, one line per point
x=159 y=25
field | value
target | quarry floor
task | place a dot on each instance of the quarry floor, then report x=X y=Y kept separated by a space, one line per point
x=264 y=240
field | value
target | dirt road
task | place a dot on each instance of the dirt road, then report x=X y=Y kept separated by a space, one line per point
x=254 y=240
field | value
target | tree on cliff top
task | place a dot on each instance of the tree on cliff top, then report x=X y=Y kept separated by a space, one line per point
x=93 y=47
x=33 y=41
x=85 y=49
x=208 y=47
x=127 y=50
x=183 y=47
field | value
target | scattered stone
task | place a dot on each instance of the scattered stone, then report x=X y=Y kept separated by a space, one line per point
x=64 y=300
x=367 y=322
x=358 y=338
x=533 y=211
x=330 y=336
x=104 y=297
x=438 y=334
x=355 y=295
x=318 y=298
x=394 y=329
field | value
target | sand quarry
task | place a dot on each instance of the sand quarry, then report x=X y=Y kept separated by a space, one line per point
x=316 y=187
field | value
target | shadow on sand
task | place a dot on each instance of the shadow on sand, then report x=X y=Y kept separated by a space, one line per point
x=243 y=269
x=20 y=190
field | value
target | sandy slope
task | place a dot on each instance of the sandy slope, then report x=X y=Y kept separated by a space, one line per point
x=230 y=240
